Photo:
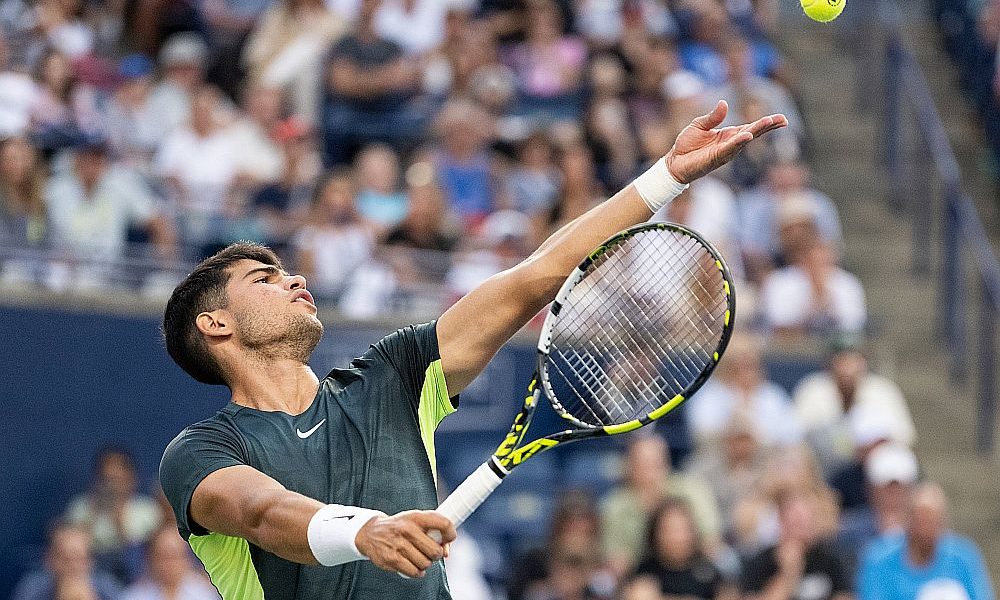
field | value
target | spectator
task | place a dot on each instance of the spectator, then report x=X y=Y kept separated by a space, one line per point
x=740 y=389
x=17 y=93
x=379 y=197
x=734 y=468
x=802 y=565
x=813 y=295
x=60 y=24
x=891 y=471
x=93 y=206
x=571 y=561
x=626 y=511
x=533 y=181
x=285 y=50
x=608 y=117
x=426 y=225
x=134 y=128
x=418 y=26
x=200 y=163
x=869 y=430
x=549 y=65
x=170 y=572
x=755 y=516
x=284 y=204
x=119 y=518
x=63 y=110
x=337 y=241
x=69 y=572
x=827 y=401
x=581 y=190
x=762 y=210
x=503 y=239
x=259 y=159
x=22 y=201
x=370 y=88
x=928 y=561
x=675 y=559
x=183 y=58
x=467 y=170
x=229 y=24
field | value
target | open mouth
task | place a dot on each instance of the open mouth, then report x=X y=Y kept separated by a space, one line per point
x=304 y=296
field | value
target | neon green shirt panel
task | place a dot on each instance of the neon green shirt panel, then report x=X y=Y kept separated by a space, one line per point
x=227 y=560
x=435 y=405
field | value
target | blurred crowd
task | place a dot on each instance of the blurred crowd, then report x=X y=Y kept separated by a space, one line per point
x=396 y=152
x=399 y=152
x=813 y=495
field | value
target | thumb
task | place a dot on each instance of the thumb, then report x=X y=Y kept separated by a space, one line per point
x=714 y=118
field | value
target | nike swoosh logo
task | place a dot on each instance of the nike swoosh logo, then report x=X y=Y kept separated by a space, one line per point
x=305 y=434
x=348 y=517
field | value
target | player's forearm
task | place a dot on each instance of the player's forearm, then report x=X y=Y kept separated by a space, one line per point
x=278 y=522
x=552 y=262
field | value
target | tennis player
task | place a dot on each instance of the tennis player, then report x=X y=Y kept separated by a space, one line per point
x=302 y=488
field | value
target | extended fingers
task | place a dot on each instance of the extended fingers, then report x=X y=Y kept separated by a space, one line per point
x=765 y=124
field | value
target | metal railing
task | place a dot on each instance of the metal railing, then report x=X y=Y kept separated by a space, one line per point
x=907 y=94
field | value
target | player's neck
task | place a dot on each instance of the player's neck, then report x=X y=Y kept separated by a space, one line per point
x=284 y=385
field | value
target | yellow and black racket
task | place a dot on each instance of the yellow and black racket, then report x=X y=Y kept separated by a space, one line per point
x=636 y=329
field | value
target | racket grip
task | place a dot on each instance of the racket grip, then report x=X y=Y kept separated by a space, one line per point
x=467 y=497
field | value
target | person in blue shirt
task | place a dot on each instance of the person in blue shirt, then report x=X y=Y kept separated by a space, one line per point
x=927 y=561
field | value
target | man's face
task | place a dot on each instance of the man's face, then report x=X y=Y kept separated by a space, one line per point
x=273 y=312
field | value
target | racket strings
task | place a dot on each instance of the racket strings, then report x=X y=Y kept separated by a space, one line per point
x=638 y=329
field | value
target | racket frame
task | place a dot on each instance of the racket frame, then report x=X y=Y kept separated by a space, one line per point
x=511 y=453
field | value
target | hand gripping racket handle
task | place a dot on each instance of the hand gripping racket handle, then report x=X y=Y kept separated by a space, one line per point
x=467 y=497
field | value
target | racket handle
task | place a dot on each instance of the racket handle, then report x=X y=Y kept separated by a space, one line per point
x=467 y=497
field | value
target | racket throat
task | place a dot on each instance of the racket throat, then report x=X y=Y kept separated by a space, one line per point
x=498 y=469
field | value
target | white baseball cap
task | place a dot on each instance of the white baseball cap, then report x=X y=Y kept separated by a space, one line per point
x=891 y=462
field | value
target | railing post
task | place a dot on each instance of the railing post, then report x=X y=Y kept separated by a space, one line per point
x=987 y=401
x=952 y=292
x=893 y=120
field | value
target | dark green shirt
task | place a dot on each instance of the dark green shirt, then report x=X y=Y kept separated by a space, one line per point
x=367 y=440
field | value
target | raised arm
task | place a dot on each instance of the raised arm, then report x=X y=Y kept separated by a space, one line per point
x=471 y=331
x=243 y=502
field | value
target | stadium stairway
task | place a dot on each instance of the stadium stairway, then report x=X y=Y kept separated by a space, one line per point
x=846 y=163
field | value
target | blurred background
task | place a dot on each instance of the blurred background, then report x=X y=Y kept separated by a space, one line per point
x=399 y=152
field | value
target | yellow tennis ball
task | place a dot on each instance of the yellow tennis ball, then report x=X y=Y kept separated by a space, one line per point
x=823 y=10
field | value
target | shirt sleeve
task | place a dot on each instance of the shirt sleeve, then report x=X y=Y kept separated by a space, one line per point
x=412 y=351
x=197 y=452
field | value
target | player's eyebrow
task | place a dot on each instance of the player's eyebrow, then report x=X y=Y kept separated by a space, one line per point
x=270 y=270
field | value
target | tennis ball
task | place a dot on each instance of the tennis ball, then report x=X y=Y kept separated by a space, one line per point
x=823 y=10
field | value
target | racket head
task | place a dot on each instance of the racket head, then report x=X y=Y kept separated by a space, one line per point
x=636 y=329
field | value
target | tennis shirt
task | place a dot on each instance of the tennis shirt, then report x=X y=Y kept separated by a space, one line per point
x=366 y=440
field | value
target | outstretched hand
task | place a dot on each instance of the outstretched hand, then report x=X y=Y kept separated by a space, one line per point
x=700 y=148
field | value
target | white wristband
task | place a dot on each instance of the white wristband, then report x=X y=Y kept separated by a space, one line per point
x=332 y=531
x=657 y=186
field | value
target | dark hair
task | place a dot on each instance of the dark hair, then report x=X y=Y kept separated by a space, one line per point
x=113 y=451
x=205 y=290
x=334 y=173
x=671 y=504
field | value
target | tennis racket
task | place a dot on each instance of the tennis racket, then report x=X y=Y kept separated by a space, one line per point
x=634 y=331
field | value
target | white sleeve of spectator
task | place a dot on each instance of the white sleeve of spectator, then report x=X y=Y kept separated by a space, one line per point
x=782 y=300
x=850 y=299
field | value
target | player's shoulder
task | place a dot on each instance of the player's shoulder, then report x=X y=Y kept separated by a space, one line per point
x=404 y=341
x=219 y=428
